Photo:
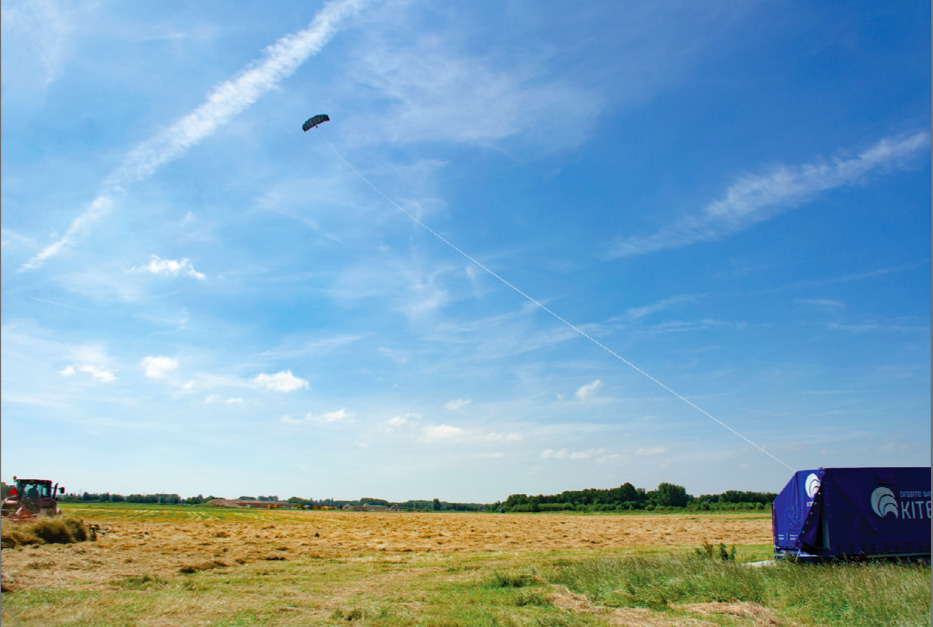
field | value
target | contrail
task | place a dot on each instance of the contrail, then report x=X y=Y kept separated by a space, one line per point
x=557 y=316
x=223 y=103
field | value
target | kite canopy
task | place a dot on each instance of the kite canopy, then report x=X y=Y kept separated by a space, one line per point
x=312 y=122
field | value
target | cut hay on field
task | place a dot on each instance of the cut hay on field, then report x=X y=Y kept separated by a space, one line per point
x=142 y=548
x=44 y=531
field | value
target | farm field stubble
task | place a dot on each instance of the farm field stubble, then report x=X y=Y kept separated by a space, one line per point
x=178 y=565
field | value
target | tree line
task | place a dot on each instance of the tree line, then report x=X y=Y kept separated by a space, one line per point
x=107 y=497
x=628 y=497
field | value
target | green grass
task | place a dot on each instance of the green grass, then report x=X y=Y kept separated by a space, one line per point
x=856 y=594
x=490 y=590
x=154 y=512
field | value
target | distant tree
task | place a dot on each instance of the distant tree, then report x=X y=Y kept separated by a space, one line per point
x=669 y=495
x=4 y=490
x=628 y=492
x=417 y=504
x=436 y=505
x=515 y=499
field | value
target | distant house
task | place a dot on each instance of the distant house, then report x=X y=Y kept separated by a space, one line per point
x=268 y=504
x=224 y=503
x=370 y=507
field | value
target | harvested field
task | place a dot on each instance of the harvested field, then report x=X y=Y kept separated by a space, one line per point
x=141 y=545
x=181 y=565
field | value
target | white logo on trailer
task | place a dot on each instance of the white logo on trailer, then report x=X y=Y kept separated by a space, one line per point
x=813 y=485
x=883 y=502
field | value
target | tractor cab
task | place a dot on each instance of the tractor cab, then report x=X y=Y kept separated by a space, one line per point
x=35 y=496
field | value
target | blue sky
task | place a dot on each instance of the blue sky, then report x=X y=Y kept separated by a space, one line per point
x=537 y=247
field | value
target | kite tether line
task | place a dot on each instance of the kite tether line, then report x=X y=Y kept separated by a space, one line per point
x=544 y=307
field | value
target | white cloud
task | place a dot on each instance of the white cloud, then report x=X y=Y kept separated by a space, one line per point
x=325 y=418
x=637 y=313
x=332 y=416
x=457 y=404
x=283 y=381
x=443 y=432
x=401 y=420
x=105 y=376
x=436 y=433
x=157 y=367
x=214 y=398
x=501 y=437
x=824 y=303
x=654 y=450
x=755 y=198
x=170 y=267
x=587 y=390
x=572 y=455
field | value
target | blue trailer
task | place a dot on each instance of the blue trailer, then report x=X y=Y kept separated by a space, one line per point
x=853 y=513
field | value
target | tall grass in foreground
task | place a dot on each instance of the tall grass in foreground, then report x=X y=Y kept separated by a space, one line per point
x=849 y=594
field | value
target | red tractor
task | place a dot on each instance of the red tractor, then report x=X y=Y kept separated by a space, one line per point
x=30 y=498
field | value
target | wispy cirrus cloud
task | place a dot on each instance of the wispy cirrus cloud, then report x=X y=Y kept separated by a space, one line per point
x=637 y=313
x=439 y=93
x=573 y=455
x=755 y=198
x=46 y=28
x=459 y=403
x=654 y=450
x=223 y=103
x=823 y=303
x=585 y=391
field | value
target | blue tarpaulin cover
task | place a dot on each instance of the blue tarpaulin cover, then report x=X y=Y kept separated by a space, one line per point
x=853 y=512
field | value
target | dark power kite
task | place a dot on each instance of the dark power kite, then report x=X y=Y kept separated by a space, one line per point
x=312 y=122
